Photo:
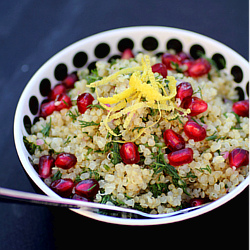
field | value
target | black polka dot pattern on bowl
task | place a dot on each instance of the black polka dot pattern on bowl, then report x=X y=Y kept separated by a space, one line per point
x=80 y=59
x=60 y=71
x=196 y=51
x=27 y=124
x=247 y=88
x=45 y=87
x=36 y=119
x=240 y=93
x=237 y=73
x=92 y=66
x=102 y=50
x=174 y=44
x=125 y=43
x=150 y=43
x=219 y=60
x=33 y=105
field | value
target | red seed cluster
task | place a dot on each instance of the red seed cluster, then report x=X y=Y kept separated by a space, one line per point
x=189 y=66
x=84 y=190
x=179 y=154
x=58 y=98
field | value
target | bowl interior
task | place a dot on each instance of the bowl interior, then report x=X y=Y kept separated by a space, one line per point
x=107 y=46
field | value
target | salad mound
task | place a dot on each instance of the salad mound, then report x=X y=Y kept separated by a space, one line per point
x=157 y=134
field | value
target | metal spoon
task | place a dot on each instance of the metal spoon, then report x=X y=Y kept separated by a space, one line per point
x=20 y=196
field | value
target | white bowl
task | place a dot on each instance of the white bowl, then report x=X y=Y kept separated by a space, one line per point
x=104 y=46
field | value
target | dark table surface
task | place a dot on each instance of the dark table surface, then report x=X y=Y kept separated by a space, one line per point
x=33 y=31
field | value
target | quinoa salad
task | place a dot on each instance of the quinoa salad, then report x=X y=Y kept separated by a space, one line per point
x=157 y=133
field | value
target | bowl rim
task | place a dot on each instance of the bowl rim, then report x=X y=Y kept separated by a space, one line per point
x=18 y=139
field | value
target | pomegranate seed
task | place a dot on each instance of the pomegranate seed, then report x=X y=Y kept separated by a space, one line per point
x=62 y=102
x=79 y=198
x=188 y=63
x=62 y=187
x=83 y=101
x=168 y=58
x=87 y=188
x=199 y=67
x=180 y=157
x=65 y=160
x=173 y=140
x=238 y=157
x=195 y=104
x=184 y=89
x=70 y=80
x=195 y=131
x=183 y=56
x=241 y=108
x=129 y=153
x=47 y=108
x=46 y=162
x=57 y=90
x=160 y=68
x=127 y=54
x=197 y=202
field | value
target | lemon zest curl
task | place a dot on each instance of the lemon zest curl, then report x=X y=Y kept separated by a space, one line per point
x=144 y=91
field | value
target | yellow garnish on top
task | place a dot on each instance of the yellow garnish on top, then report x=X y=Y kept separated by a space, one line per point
x=144 y=91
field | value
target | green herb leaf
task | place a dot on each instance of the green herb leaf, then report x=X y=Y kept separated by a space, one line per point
x=158 y=188
x=137 y=128
x=78 y=179
x=225 y=114
x=115 y=157
x=31 y=147
x=72 y=115
x=92 y=77
x=67 y=140
x=207 y=168
x=91 y=187
x=212 y=137
x=57 y=176
x=190 y=175
x=199 y=91
x=236 y=116
x=85 y=124
x=96 y=106
x=45 y=131
x=177 y=67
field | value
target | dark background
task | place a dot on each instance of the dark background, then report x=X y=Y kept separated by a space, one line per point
x=33 y=31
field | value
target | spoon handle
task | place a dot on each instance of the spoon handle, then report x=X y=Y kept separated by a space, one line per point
x=25 y=197
x=20 y=196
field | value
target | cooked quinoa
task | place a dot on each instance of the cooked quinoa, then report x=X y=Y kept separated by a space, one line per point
x=143 y=186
